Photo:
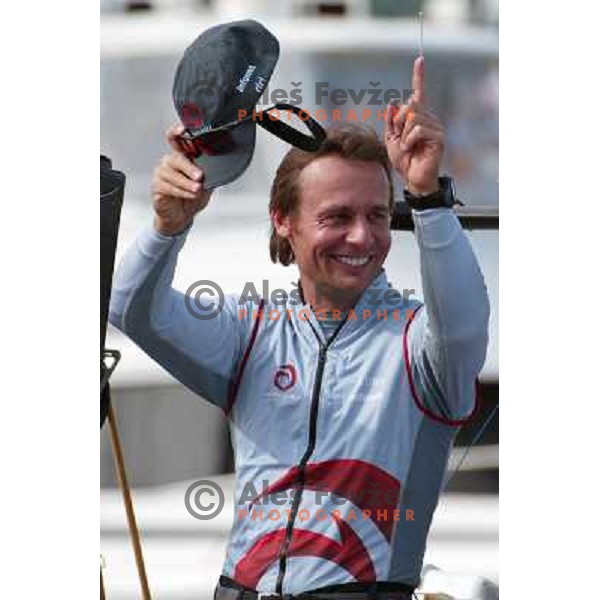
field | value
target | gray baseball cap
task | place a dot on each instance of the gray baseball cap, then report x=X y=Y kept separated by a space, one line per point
x=218 y=83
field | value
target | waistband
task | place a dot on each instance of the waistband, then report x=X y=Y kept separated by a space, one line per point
x=228 y=589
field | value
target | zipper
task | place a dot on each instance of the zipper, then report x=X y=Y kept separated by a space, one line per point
x=312 y=438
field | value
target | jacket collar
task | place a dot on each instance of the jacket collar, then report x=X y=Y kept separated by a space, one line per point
x=370 y=301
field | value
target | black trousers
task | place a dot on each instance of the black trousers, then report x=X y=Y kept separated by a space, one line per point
x=228 y=589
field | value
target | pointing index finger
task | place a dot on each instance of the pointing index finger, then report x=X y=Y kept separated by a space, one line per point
x=418 y=79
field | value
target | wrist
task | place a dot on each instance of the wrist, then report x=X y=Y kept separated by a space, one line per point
x=423 y=190
x=164 y=229
x=443 y=197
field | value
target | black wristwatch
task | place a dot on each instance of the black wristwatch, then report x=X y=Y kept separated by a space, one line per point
x=443 y=198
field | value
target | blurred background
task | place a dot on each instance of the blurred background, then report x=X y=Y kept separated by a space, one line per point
x=170 y=436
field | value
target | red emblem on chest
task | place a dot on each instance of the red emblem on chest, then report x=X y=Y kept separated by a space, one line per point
x=285 y=377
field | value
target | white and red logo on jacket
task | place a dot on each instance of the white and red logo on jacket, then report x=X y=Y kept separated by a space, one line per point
x=285 y=377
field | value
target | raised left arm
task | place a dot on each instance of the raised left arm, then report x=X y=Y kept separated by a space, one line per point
x=447 y=340
x=449 y=336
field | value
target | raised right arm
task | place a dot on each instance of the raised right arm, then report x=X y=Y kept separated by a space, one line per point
x=201 y=353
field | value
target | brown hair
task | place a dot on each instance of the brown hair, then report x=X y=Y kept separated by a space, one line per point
x=349 y=141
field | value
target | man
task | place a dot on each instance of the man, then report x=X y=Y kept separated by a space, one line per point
x=348 y=417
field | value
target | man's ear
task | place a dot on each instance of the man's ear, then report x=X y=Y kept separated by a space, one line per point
x=281 y=223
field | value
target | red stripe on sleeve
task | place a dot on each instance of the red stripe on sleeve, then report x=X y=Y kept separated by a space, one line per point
x=238 y=379
x=413 y=389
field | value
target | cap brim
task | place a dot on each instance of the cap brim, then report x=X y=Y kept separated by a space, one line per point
x=225 y=160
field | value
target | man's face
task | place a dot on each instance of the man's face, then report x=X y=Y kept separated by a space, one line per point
x=340 y=233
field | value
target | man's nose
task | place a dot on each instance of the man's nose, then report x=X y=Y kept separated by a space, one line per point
x=360 y=233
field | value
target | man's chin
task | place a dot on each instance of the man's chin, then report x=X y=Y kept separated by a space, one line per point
x=355 y=281
x=347 y=287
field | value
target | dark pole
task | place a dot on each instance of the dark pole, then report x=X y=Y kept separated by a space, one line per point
x=470 y=217
x=112 y=187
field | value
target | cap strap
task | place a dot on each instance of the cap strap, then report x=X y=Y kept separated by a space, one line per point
x=290 y=134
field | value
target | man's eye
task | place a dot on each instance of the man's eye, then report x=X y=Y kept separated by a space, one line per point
x=379 y=217
x=339 y=218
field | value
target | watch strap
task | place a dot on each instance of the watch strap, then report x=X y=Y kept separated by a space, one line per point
x=442 y=198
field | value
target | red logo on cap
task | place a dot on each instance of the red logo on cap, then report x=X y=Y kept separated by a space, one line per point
x=285 y=377
x=191 y=116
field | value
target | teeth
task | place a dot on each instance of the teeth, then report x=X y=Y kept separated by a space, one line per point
x=355 y=261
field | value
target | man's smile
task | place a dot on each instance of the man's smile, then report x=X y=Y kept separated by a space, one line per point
x=352 y=259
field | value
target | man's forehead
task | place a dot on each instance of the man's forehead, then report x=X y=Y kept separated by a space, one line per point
x=332 y=181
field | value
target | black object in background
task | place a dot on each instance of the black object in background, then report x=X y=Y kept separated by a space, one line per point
x=112 y=187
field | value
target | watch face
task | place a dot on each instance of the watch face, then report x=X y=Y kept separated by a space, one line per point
x=447 y=186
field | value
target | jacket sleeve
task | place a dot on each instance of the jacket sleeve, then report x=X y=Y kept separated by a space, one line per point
x=201 y=354
x=449 y=336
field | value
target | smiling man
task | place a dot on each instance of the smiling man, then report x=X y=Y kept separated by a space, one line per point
x=354 y=413
x=335 y=222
